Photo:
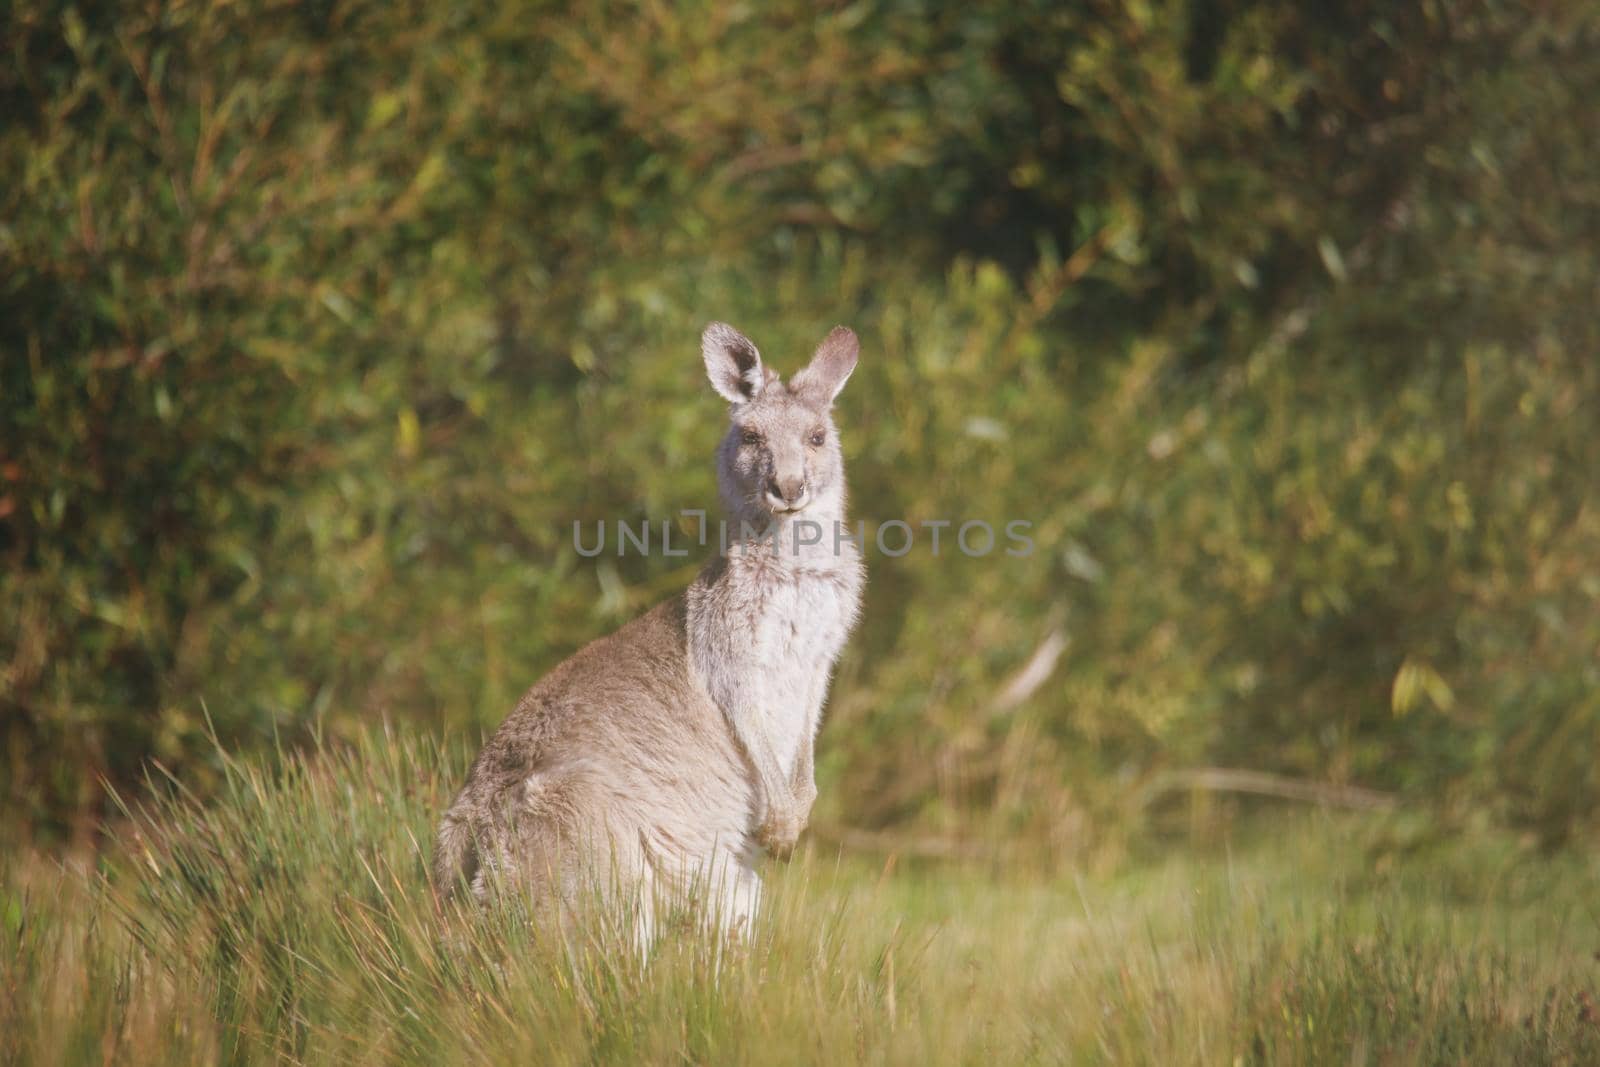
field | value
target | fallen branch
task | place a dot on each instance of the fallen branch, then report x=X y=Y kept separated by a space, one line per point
x=851 y=839
x=1262 y=783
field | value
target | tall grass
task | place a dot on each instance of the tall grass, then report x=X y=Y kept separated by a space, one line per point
x=290 y=919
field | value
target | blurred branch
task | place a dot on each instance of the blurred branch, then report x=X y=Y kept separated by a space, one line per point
x=851 y=839
x=1033 y=674
x=1261 y=783
x=1047 y=288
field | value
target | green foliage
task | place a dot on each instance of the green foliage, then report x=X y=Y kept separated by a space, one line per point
x=288 y=918
x=320 y=326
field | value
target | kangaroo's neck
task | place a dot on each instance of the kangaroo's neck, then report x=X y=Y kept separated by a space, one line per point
x=766 y=620
x=769 y=615
x=816 y=539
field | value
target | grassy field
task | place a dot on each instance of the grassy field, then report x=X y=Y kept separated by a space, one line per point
x=289 y=920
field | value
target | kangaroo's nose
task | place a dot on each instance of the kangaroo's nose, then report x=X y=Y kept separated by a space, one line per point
x=787 y=490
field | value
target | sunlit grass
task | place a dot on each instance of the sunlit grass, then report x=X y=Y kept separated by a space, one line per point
x=290 y=919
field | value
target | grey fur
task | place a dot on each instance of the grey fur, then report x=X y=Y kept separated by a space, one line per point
x=681 y=746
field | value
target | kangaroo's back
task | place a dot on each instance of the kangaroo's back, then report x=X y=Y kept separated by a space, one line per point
x=618 y=739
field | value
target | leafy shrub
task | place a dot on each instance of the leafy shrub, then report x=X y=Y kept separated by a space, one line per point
x=322 y=325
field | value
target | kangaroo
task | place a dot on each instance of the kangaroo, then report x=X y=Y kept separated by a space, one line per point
x=672 y=753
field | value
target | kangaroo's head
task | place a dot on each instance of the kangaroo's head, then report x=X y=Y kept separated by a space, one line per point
x=780 y=457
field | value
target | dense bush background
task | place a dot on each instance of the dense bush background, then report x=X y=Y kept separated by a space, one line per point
x=321 y=323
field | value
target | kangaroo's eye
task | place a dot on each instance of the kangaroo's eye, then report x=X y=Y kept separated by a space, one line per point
x=750 y=437
x=817 y=437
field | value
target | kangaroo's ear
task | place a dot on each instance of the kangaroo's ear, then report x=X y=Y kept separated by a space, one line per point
x=732 y=363
x=829 y=369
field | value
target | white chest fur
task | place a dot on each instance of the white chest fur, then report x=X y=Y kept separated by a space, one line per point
x=766 y=632
x=796 y=640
